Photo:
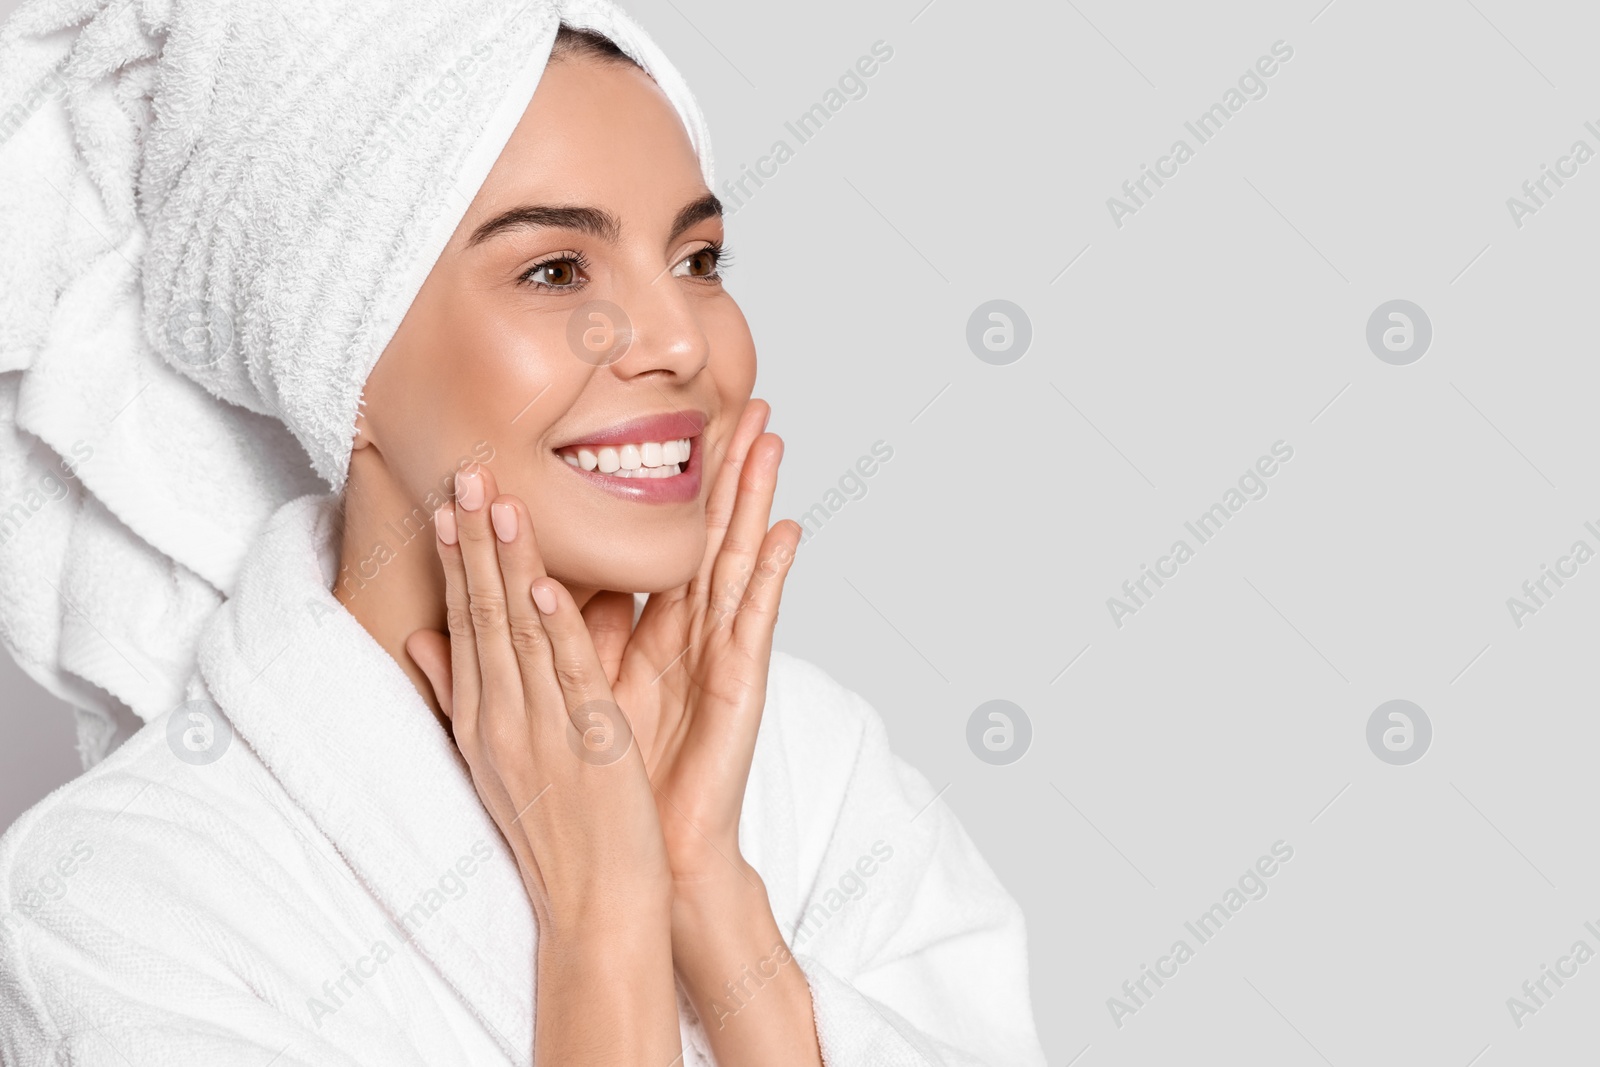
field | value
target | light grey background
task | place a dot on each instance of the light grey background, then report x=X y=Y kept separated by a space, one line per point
x=1227 y=314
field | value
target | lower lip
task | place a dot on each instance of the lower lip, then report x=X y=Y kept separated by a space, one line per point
x=675 y=490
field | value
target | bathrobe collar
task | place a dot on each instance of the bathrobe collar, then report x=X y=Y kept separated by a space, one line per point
x=340 y=725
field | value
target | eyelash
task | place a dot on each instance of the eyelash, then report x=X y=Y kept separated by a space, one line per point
x=721 y=260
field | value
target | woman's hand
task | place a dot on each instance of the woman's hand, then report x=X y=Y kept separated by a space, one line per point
x=693 y=673
x=554 y=763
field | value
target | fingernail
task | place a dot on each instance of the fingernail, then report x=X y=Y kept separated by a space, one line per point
x=504 y=517
x=444 y=520
x=469 y=490
x=543 y=597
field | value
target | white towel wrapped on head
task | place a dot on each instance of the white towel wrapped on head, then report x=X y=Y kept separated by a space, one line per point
x=213 y=216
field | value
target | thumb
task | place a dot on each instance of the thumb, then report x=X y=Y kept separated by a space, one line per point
x=430 y=650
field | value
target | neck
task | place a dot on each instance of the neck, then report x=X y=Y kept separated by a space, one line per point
x=390 y=576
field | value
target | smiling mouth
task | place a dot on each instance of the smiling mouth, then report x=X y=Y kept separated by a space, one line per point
x=642 y=459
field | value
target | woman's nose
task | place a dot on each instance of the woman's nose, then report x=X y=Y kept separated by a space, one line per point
x=653 y=328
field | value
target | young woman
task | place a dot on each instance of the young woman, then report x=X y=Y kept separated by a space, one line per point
x=441 y=792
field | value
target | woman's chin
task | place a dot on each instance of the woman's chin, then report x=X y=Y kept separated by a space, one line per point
x=635 y=575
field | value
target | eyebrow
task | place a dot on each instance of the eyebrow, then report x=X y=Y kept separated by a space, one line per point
x=591 y=220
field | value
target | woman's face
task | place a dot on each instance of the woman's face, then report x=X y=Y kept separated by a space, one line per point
x=576 y=312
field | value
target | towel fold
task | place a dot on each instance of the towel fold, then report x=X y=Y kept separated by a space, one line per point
x=213 y=216
x=283 y=892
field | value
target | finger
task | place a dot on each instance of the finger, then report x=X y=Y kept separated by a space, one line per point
x=609 y=616
x=736 y=560
x=466 y=687
x=520 y=564
x=500 y=677
x=758 y=614
x=688 y=600
x=725 y=489
x=430 y=650
x=590 y=707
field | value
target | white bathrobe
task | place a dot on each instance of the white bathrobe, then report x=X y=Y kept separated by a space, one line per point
x=316 y=883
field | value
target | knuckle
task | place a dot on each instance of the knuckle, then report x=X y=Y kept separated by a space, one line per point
x=488 y=612
x=528 y=637
x=459 y=622
x=573 y=676
x=724 y=602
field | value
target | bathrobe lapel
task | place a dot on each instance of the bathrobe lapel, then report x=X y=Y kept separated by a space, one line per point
x=340 y=725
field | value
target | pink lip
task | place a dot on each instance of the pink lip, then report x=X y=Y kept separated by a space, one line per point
x=667 y=427
x=675 y=490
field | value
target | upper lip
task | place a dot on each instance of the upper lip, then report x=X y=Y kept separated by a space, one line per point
x=667 y=426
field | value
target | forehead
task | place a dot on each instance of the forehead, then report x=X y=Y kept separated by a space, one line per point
x=595 y=132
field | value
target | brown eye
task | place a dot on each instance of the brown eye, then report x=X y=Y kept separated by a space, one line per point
x=702 y=264
x=556 y=273
x=707 y=264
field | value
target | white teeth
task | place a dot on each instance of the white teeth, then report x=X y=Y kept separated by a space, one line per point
x=649 y=472
x=648 y=459
x=675 y=451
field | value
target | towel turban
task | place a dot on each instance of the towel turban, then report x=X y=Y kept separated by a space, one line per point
x=213 y=216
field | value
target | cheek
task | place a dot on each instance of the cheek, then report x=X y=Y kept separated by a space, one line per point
x=497 y=366
x=488 y=383
x=733 y=354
